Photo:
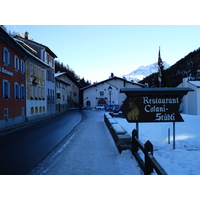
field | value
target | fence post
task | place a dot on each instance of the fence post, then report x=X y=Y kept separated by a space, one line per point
x=134 y=143
x=148 y=149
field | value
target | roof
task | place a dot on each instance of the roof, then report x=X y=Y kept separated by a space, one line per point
x=61 y=80
x=69 y=76
x=115 y=77
x=154 y=91
x=17 y=44
x=196 y=83
x=31 y=41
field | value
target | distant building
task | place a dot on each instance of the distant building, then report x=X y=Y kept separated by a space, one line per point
x=72 y=90
x=12 y=81
x=191 y=101
x=61 y=94
x=98 y=93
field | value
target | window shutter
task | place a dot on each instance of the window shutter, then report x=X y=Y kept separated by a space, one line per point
x=14 y=62
x=8 y=58
x=3 y=90
x=15 y=92
x=8 y=90
x=3 y=55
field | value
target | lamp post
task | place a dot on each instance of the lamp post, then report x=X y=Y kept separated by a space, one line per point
x=110 y=90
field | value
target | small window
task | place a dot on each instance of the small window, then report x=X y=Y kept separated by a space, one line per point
x=22 y=92
x=6 y=114
x=22 y=66
x=16 y=63
x=6 y=56
x=31 y=69
x=17 y=91
x=101 y=93
x=32 y=110
x=5 y=89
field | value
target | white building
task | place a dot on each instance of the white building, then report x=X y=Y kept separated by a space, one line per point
x=191 y=101
x=98 y=93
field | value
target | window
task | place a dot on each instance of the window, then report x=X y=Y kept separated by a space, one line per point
x=16 y=63
x=6 y=56
x=35 y=70
x=101 y=93
x=38 y=73
x=17 y=92
x=5 y=89
x=42 y=73
x=22 y=92
x=22 y=66
x=31 y=68
x=6 y=114
x=58 y=96
x=23 y=111
x=32 y=110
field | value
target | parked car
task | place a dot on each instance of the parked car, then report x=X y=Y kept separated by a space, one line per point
x=114 y=108
x=100 y=107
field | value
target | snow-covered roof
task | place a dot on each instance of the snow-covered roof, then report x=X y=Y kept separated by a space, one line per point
x=59 y=74
x=115 y=77
x=61 y=80
x=196 y=83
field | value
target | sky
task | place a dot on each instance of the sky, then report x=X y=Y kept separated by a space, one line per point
x=96 y=51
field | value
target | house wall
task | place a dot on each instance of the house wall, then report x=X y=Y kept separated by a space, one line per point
x=99 y=93
x=72 y=91
x=15 y=105
x=36 y=99
x=190 y=103
x=61 y=97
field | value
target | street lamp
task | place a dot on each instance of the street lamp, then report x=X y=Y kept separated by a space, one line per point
x=110 y=90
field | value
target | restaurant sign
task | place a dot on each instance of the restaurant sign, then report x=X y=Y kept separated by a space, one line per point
x=153 y=104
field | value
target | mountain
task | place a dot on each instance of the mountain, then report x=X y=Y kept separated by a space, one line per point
x=144 y=71
x=189 y=66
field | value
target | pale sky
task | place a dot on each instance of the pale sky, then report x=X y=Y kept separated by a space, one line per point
x=96 y=38
x=94 y=51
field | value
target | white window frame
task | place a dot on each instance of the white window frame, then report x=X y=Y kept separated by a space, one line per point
x=6 y=56
x=17 y=91
x=16 y=63
x=6 y=114
x=5 y=89
x=31 y=68
x=22 y=92
x=22 y=66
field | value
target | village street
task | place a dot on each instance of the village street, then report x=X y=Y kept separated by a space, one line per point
x=89 y=151
x=21 y=149
x=65 y=145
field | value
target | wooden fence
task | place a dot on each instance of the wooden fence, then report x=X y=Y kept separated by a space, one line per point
x=150 y=163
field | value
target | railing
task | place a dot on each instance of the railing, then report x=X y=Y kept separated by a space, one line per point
x=150 y=163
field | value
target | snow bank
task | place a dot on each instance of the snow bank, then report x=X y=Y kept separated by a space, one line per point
x=184 y=159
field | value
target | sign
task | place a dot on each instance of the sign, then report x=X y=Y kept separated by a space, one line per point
x=153 y=104
x=5 y=71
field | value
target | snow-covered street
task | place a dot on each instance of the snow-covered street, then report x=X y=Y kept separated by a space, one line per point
x=89 y=151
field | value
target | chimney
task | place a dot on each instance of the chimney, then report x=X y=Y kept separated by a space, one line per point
x=26 y=35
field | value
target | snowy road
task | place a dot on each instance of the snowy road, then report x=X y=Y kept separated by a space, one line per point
x=89 y=151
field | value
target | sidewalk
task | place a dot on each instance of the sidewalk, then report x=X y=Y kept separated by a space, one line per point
x=89 y=151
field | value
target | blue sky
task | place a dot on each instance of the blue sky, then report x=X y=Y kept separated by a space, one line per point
x=94 y=51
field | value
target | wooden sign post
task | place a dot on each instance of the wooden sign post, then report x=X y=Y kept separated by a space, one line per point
x=153 y=105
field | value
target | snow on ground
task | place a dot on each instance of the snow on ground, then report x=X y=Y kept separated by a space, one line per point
x=185 y=158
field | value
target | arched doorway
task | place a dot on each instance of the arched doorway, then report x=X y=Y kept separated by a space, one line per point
x=101 y=101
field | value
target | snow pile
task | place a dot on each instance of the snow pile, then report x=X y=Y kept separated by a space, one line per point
x=144 y=71
x=184 y=159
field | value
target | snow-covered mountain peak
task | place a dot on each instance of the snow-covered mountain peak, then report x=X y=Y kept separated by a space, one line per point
x=144 y=71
